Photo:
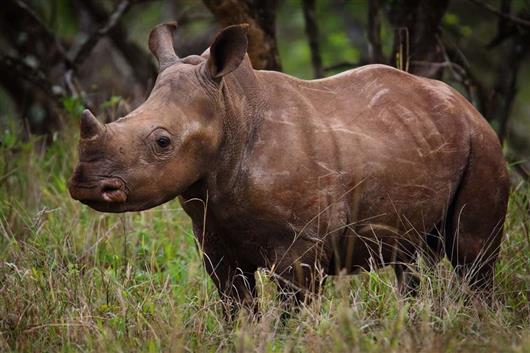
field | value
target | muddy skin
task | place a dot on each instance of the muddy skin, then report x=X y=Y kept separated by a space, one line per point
x=364 y=169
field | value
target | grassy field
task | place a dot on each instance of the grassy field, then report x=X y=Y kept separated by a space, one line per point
x=72 y=279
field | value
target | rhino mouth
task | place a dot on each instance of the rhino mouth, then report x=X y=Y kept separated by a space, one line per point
x=113 y=192
x=104 y=190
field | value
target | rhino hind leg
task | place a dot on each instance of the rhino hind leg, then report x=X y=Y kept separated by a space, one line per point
x=408 y=273
x=474 y=227
x=407 y=279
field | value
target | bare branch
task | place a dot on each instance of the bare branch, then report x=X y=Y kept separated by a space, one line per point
x=15 y=73
x=138 y=59
x=35 y=76
x=311 y=29
x=514 y=19
x=506 y=86
x=505 y=29
x=19 y=10
x=91 y=42
x=475 y=88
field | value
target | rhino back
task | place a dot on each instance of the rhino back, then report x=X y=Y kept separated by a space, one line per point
x=376 y=137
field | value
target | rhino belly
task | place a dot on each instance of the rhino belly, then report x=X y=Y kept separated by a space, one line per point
x=395 y=211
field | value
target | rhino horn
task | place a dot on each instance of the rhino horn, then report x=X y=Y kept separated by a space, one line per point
x=161 y=44
x=90 y=126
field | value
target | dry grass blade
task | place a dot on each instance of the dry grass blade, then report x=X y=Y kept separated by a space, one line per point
x=70 y=280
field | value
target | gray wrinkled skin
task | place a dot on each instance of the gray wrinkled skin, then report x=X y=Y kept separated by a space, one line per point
x=365 y=168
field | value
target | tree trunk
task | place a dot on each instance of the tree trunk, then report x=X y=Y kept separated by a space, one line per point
x=422 y=21
x=140 y=62
x=311 y=30
x=260 y=15
x=374 y=32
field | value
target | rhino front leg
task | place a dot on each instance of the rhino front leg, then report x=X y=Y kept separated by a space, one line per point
x=234 y=280
x=297 y=285
x=233 y=277
x=299 y=278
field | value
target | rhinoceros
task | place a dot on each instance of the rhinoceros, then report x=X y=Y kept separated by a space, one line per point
x=367 y=168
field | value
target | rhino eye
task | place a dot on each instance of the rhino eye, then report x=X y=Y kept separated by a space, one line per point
x=163 y=141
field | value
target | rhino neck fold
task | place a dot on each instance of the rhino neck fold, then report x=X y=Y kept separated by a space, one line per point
x=242 y=103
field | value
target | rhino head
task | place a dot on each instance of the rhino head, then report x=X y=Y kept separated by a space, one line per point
x=168 y=143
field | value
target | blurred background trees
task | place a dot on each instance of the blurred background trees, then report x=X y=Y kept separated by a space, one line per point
x=59 y=56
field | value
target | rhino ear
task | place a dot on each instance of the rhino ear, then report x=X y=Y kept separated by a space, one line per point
x=228 y=50
x=161 y=44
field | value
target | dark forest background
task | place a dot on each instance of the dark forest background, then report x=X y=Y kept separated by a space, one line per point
x=73 y=279
x=59 y=56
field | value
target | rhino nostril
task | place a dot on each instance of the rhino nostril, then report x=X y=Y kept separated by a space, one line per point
x=109 y=188
x=78 y=175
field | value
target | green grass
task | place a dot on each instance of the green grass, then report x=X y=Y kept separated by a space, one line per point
x=72 y=279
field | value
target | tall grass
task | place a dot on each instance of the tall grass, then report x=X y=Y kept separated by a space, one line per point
x=72 y=279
